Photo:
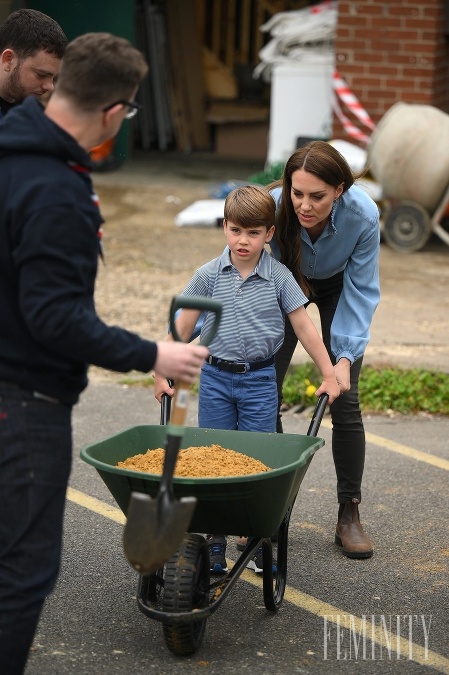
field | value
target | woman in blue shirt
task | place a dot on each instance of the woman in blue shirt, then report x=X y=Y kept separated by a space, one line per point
x=327 y=234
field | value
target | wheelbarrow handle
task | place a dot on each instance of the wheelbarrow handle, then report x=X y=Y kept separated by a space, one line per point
x=166 y=407
x=318 y=415
x=203 y=304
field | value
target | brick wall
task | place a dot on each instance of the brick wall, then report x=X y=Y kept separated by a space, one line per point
x=392 y=51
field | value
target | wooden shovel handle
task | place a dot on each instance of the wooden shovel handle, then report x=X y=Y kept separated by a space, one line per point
x=179 y=403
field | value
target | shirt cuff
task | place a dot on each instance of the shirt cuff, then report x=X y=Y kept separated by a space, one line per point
x=346 y=355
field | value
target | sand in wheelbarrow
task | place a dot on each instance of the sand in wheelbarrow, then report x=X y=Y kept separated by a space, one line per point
x=209 y=461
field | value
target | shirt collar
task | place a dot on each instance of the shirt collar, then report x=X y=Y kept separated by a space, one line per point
x=263 y=267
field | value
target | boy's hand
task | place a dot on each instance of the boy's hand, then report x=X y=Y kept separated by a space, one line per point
x=161 y=386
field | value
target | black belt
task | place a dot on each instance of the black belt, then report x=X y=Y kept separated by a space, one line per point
x=239 y=367
x=35 y=394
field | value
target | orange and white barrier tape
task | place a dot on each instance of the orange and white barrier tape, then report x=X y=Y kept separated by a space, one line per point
x=342 y=92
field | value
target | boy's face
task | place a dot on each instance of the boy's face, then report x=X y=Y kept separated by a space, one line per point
x=246 y=243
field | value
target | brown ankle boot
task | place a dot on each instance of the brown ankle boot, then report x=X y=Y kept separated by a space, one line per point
x=349 y=533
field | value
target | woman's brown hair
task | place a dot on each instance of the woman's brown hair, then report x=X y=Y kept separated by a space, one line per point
x=324 y=161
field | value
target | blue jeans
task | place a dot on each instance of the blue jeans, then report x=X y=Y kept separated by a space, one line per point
x=247 y=401
x=35 y=460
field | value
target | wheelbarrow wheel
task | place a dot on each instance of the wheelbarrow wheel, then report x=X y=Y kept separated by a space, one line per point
x=407 y=227
x=186 y=588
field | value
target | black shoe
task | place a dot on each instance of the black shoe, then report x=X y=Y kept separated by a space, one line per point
x=217 y=553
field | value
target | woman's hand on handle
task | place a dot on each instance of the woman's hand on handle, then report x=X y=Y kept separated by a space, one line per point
x=343 y=374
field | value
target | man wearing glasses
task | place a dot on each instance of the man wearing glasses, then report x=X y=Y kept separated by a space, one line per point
x=31 y=48
x=49 y=330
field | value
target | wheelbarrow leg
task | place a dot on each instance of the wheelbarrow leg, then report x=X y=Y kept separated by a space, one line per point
x=274 y=586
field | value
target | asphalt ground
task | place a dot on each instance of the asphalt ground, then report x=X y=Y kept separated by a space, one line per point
x=388 y=614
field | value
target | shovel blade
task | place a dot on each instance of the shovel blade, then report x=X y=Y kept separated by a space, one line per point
x=150 y=540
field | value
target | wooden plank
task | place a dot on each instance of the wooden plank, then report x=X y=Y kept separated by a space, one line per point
x=235 y=112
x=245 y=31
x=179 y=109
x=200 y=14
x=230 y=35
x=185 y=53
x=216 y=21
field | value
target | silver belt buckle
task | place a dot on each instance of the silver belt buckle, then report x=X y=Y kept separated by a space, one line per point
x=43 y=397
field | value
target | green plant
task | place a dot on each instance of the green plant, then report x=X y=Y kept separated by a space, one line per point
x=274 y=172
x=405 y=391
x=381 y=389
x=300 y=385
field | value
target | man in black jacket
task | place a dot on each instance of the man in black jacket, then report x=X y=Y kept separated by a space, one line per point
x=31 y=48
x=49 y=330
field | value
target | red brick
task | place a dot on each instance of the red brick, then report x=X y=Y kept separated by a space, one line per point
x=365 y=8
x=403 y=84
x=428 y=23
x=402 y=59
x=404 y=11
x=423 y=49
x=383 y=69
x=402 y=34
x=356 y=21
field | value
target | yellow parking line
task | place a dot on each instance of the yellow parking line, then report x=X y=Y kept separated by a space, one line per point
x=375 y=634
x=433 y=460
x=95 y=505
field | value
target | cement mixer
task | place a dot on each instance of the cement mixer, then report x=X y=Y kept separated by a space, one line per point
x=408 y=156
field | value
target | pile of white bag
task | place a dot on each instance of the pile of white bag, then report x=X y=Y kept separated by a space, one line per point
x=304 y=35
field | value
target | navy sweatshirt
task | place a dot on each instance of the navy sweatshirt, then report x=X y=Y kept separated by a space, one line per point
x=49 y=249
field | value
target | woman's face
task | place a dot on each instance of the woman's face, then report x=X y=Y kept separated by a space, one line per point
x=312 y=200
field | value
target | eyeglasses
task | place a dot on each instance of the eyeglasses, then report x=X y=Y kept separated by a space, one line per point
x=133 y=108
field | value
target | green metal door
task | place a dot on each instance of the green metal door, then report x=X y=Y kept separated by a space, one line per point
x=85 y=16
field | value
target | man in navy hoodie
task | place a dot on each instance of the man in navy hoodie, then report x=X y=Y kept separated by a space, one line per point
x=31 y=48
x=49 y=329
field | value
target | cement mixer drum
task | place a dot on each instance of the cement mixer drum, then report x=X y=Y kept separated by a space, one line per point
x=408 y=154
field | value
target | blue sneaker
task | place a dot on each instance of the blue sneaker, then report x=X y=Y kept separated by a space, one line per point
x=256 y=562
x=217 y=553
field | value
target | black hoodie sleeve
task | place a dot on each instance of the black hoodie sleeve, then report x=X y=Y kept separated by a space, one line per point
x=56 y=258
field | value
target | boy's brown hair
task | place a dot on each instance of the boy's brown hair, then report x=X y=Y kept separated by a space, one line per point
x=250 y=206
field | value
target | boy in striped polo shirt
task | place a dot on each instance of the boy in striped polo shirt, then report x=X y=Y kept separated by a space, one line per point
x=238 y=380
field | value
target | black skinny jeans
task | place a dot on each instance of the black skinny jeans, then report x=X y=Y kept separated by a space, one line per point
x=348 y=434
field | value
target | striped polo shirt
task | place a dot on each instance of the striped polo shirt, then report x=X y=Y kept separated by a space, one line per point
x=252 y=323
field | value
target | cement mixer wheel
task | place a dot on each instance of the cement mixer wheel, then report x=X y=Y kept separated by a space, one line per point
x=407 y=227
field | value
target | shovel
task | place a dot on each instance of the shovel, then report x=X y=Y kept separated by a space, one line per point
x=156 y=527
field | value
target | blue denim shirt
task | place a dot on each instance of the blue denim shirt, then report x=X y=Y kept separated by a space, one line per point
x=349 y=242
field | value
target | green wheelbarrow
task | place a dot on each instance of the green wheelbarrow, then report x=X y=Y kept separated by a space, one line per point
x=181 y=595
